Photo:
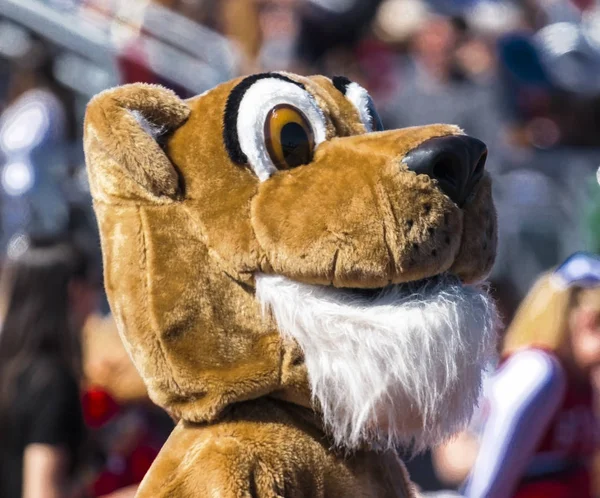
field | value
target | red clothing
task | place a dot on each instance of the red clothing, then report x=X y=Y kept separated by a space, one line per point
x=570 y=440
x=573 y=431
x=575 y=485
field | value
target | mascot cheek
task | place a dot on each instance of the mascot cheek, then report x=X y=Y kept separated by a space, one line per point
x=311 y=232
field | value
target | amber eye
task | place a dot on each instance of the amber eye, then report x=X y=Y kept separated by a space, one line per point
x=289 y=137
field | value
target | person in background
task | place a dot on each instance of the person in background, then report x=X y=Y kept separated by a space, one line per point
x=539 y=435
x=38 y=135
x=127 y=428
x=438 y=82
x=453 y=460
x=46 y=294
x=548 y=152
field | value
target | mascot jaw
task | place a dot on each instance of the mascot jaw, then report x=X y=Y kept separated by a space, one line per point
x=370 y=294
x=397 y=365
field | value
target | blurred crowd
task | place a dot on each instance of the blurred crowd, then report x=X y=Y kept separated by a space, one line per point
x=522 y=75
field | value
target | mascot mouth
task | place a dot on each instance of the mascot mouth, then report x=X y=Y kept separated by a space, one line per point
x=372 y=294
x=398 y=365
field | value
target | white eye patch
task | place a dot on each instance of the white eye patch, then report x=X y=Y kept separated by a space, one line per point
x=360 y=98
x=364 y=104
x=258 y=100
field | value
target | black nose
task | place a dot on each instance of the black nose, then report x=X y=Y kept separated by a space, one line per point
x=456 y=162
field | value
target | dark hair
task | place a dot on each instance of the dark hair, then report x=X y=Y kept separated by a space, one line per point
x=36 y=332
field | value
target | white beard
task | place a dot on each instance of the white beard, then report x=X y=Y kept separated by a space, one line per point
x=401 y=368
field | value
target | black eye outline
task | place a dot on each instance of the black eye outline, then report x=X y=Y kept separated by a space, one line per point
x=232 y=106
x=376 y=123
x=289 y=155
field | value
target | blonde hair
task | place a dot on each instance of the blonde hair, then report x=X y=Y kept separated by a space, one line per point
x=542 y=319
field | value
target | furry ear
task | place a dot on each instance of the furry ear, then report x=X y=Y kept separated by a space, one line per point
x=126 y=123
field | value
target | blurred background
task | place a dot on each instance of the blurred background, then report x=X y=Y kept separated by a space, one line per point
x=522 y=75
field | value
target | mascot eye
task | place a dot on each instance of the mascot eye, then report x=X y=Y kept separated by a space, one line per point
x=277 y=124
x=289 y=137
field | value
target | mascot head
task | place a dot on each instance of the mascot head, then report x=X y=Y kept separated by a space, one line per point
x=269 y=238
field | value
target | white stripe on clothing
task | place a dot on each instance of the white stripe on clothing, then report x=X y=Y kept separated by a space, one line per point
x=524 y=397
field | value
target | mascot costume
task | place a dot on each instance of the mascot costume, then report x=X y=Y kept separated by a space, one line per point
x=296 y=286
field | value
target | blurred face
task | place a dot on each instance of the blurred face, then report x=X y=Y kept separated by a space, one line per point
x=585 y=338
x=277 y=19
x=475 y=57
x=84 y=299
x=433 y=44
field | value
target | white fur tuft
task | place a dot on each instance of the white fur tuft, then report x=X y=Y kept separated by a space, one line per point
x=155 y=131
x=403 y=367
x=360 y=98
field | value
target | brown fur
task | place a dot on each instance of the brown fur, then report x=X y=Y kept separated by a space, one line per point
x=183 y=232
